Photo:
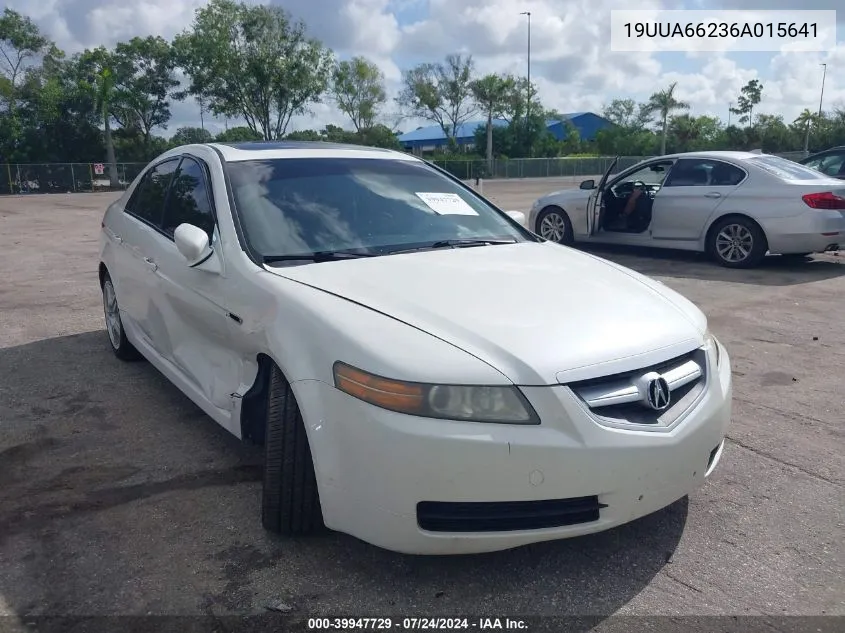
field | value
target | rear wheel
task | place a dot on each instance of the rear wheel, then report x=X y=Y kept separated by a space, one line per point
x=120 y=345
x=290 y=502
x=737 y=242
x=553 y=224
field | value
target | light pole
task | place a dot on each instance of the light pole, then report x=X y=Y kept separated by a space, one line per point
x=821 y=97
x=528 y=89
x=730 y=105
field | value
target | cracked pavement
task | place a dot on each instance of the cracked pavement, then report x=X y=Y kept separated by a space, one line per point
x=118 y=496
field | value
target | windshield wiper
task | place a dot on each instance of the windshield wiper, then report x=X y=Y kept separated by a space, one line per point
x=319 y=256
x=460 y=243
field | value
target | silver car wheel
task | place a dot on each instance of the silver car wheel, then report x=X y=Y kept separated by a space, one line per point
x=112 y=313
x=734 y=243
x=553 y=227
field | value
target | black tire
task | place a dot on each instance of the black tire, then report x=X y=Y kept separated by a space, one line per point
x=120 y=345
x=557 y=225
x=290 y=503
x=737 y=242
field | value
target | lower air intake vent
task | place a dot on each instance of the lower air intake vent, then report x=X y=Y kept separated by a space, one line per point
x=505 y=516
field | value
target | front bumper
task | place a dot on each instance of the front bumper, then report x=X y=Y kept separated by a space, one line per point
x=374 y=467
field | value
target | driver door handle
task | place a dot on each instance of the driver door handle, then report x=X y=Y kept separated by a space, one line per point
x=713 y=194
x=150 y=263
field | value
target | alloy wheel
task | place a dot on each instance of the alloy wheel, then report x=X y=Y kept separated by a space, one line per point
x=734 y=243
x=112 y=313
x=553 y=227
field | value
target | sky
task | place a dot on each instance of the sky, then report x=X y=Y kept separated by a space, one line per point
x=572 y=63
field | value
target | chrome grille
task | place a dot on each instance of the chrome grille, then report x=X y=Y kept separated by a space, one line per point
x=623 y=399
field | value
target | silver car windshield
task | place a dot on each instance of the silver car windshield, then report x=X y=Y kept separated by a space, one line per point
x=300 y=206
x=786 y=169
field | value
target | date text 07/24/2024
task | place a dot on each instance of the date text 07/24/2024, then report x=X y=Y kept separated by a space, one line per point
x=417 y=624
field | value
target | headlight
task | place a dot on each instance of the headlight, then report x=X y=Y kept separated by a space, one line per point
x=504 y=405
x=714 y=343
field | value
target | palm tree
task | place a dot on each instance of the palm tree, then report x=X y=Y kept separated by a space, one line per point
x=805 y=120
x=664 y=102
x=100 y=82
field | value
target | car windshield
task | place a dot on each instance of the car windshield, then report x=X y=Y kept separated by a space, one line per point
x=786 y=169
x=303 y=206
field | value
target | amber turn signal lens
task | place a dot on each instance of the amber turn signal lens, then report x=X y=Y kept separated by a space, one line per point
x=382 y=392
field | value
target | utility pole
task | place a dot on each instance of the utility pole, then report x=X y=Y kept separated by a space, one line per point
x=730 y=105
x=528 y=89
x=821 y=97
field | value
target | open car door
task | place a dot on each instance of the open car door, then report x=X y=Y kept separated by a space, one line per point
x=594 y=204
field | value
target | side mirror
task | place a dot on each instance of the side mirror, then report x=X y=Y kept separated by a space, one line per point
x=519 y=216
x=192 y=242
x=588 y=184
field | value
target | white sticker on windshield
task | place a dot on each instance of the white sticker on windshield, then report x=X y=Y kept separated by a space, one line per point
x=446 y=203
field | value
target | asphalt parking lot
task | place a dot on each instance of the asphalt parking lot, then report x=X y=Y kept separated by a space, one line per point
x=118 y=496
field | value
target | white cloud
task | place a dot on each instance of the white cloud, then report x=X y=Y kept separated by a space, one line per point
x=572 y=63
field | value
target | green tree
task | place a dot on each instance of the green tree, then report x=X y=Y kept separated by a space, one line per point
x=21 y=43
x=190 y=135
x=145 y=69
x=357 y=87
x=237 y=134
x=684 y=130
x=22 y=46
x=804 y=121
x=664 y=103
x=97 y=72
x=491 y=94
x=628 y=114
x=252 y=61
x=440 y=93
x=750 y=95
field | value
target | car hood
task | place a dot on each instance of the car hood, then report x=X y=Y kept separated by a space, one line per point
x=540 y=313
x=569 y=194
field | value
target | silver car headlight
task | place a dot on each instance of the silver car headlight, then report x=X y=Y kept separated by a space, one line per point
x=470 y=403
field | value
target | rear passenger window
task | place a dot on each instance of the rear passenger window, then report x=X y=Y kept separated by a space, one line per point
x=698 y=172
x=189 y=201
x=147 y=201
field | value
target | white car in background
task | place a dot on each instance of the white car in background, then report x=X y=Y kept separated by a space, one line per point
x=734 y=206
x=388 y=335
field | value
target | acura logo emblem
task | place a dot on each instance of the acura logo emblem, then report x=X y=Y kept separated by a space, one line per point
x=658 y=395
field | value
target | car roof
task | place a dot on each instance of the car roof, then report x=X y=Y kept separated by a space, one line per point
x=738 y=156
x=836 y=149
x=263 y=150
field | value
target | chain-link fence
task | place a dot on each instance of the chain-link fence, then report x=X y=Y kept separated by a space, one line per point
x=64 y=177
x=534 y=167
x=88 y=177
x=470 y=169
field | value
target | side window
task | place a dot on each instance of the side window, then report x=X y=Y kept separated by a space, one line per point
x=189 y=201
x=147 y=201
x=697 y=172
x=832 y=165
x=815 y=163
x=651 y=174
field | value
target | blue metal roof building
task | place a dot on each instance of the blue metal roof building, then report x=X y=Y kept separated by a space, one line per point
x=432 y=137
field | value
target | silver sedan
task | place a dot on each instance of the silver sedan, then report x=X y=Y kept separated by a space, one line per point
x=734 y=206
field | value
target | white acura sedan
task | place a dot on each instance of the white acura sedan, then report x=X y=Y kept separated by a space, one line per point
x=389 y=336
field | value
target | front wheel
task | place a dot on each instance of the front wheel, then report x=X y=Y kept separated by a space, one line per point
x=290 y=502
x=120 y=345
x=737 y=242
x=554 y=225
